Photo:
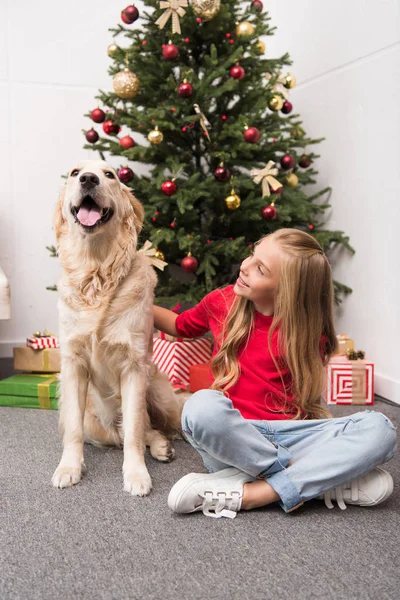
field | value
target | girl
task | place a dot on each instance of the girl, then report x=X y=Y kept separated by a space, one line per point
x=261 y=430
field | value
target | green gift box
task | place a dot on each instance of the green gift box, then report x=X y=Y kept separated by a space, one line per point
x=30 y=391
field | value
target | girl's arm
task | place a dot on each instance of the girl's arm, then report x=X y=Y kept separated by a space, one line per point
x=164 y=320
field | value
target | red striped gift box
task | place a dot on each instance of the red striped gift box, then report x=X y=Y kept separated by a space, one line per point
x=39 y=343
x=176 y=358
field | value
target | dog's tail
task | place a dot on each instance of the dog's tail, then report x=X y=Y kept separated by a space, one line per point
x=163 y=404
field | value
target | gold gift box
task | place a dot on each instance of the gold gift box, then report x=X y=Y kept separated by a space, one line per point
x=37 y=361
x=345 y=343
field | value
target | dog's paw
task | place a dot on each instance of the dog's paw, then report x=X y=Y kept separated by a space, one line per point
x=137 y=484
x=162 y=450
x=67 y=476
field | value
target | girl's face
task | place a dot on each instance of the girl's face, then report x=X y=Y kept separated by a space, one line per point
x=259 y=275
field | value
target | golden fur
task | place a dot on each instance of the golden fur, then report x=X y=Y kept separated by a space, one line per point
x=109 y=388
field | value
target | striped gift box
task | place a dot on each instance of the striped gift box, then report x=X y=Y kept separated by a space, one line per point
x=349 y=381
x=39 y=343
x=176 y=358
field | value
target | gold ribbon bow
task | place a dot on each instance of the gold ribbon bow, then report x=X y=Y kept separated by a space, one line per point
x=150 y=252
x=266 y=176
x=174 y=10
x=278 y=86
x=204 y=122
x=46 y=333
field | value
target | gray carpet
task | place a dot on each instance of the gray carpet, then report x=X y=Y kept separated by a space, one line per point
x=95 y=541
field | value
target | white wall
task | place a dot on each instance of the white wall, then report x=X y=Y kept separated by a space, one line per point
x=346 y=59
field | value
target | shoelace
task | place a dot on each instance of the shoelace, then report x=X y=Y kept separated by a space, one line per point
x=222 y=505
x=353 y=486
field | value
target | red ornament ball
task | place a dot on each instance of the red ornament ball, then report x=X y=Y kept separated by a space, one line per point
x=257 y=5
x=92 y=136
x=287 y=107
x=185 y=90
x=251 y=135
x=305 y=161
x=237 y=72
x=111 y=127
x=130 y=14
x=287 y=162
x=127 y=142
x=125 y=174
x=97 y=115
x=277 y=191
x=189 y=264
x=269 y=213
x=168 y=187
x=222 y=174
x=170 y=51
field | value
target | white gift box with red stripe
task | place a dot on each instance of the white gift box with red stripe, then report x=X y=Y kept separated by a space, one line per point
x=349 y=381
x=176 y=358
x=40 y=343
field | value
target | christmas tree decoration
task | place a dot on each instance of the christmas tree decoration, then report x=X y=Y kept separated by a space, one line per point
x=279 y=86
x=244 y=29
x=185 y=89
x=112 y=50
x=155 y=136
x=292 y=180
x=269 y=213
x=206 y=9
x=130 y=14
x=275 y=103
x=304 y=161
x=298 y=132
x=159 y=255
x=221 y=173
x=125 y=174
x=92 y=136
x=251 y=135
x=174 y=10
x=257 y=6
x=290 y=81
x=127 y=142
x=260 y=47
x=287 y=162
x=97 y=115
x=237 y=72
x=287 y=107
x=126 y=84
x=204 y=122
x=189 y=264
x=232 y=201
x=110 y=127
x=170 y=51
x=169 y=187
x=266 y=177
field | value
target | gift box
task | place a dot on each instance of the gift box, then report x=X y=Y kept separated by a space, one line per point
x=29 y=391
x=345 y=343
x=349 y=381
x=39 y=361
x=200 y=377
x=175 y=358
x=40 y=342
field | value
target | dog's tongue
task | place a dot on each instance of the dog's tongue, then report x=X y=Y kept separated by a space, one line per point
x=89 y=216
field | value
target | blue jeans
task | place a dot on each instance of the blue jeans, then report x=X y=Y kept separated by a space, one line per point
x=325 y=452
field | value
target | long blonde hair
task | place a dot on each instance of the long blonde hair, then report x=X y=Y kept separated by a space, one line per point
x=303 y=311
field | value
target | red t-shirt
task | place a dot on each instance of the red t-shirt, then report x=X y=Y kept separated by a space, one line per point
x=258 y=391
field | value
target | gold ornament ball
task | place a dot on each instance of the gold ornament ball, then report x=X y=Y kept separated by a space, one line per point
x=155 y=136
x=245 y=28
x=260 y=47
x=290 y=81
x=126 y=84
x=298 y=132
x=159 y=255
x=206 y=9
x=292 y=180
x=275 y=103
x=233 y=201
x=112 y=50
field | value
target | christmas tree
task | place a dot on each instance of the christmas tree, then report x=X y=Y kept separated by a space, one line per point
x=228 y=158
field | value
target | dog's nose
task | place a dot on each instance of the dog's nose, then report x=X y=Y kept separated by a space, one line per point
x=89 y=180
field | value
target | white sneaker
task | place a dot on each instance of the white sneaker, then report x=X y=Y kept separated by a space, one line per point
x=216 y=494
x=370 y=489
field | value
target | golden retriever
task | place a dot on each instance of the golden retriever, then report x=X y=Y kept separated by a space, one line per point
x=110 y=391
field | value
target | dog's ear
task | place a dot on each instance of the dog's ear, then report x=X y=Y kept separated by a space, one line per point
x=138 y=210
x=58 y=217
